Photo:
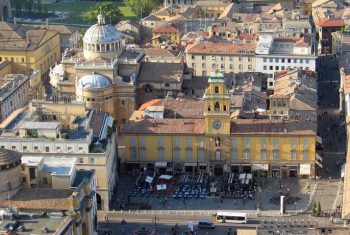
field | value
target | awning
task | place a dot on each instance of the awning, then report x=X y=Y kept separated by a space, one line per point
x=318 y=139
x=293 y=167
x=190 y=164
x=161 y=187
x=319 y=164
x=166 y=177
x=178 y=166
x=203 y=164
x=233 y=164
x=246 y=164
x=319 y=158
x=161 y=164
x=275 y=167
x=149 y=179
x=260 y=167
x=305 y=169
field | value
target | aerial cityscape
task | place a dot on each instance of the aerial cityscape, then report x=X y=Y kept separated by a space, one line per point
x=174 y=117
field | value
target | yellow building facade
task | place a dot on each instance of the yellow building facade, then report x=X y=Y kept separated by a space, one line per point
x=30 y=50
x=217 y=144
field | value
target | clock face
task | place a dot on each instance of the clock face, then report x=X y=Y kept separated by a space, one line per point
x=217 y=124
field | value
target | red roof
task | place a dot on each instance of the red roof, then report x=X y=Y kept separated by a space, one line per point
x=165 y=29
x=144 y=106
x=330 y=23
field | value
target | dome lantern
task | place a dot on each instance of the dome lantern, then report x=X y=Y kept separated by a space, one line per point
x=101 y=19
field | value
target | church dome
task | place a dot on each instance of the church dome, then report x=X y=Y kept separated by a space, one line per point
x=102 y=40
x=93 y=81
x=101 y=32
x=8 y=157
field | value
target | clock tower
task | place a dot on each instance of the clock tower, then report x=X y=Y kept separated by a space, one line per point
x=217 y=106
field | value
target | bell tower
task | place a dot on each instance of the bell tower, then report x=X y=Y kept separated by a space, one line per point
x=217 y=106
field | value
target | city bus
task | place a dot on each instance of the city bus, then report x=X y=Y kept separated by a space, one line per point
x=231 y=217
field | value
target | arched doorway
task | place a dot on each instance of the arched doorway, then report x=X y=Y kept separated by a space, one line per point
x=5 y=14
x=98 y=201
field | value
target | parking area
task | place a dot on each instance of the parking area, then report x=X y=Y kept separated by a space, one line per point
x=199 y=191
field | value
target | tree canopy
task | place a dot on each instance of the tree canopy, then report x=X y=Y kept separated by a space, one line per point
x=109 y=9
x=142 y=8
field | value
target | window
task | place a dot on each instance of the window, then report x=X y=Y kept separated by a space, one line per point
x=45 y=180
x=176 y=142
x=203 y=57
x=282 y=60
x=277 y=60
x=143 y=142
x=293 y=144
x=305 y=155
x=275 y=155
x=263 y=143
x=24 y=148
x=301 y=61
x=234 y=143
x=222 y=58
x=246 y=143
x=231 y=66
x=270 y=60
x=249 y=58
x=234 y=154
x=222 y=66
x=122 y=103
x=213 y=66
x=203 y=65
x=192 y=57
x=143 y=153
x=201 y=155
x=216 y=89
x=264 y=59
x=240 y=58
x=92 y=160
x=32 y=173
x=81 y=160
x=275 y=143
x=36 y=147
x=188 y=142
x=193 y=65
x=161 y=154
x=189 y=154
x=271 y=67
x=217 y=107
x=240 y=66
x=277 y=68
x=250 y=67
x=289 y=61
x=263 y=155
x=293 y=155
x=265 y=67
x=80 y=148
x=132 y=142
x=201 y=143
x=133 y=153
x=13 y=147
x=24 y=179
x=160 y=142
x=295 y=61
x=283 y=68
x=246 y=155
x=307 y=61
x=177 y=154
x=305 y=143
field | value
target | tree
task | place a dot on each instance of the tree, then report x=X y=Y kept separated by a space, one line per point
x=142 y=7
x=314 y=212
x=318 y=208
x=110 y=10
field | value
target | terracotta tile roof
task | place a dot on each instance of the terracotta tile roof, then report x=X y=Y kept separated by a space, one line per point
x=165 y=126
x=160 y=52
x=160 y=72
x=267 y=126
x=279 y=96
x=40 y=198
x=330 y=23
x=165 y=29
x=221 y=48
x=144 y=106
x=183 y=108
x=246 y=36
x=13 y=36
